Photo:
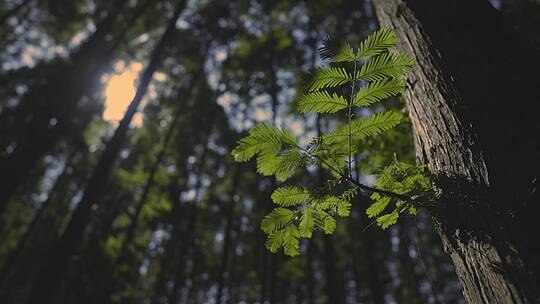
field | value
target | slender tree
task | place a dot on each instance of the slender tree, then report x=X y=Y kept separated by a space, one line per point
x=45 y=114
x=49 y=279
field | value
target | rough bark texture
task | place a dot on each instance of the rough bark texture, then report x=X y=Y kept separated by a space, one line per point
x=470 y=107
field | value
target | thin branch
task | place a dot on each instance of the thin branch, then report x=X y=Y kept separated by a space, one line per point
x=355 y=182
x=349 y=118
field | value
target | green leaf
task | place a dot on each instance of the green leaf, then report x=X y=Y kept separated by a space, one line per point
x=321 y=102
x=329 y=78
x=262 y=138
x=386 y=65
x=290 y=196
x=276 y=219
x=361 y=128
x=274 y=240
x=349 y=194
x=333 y=203
x=377 y=91
x=247 y=148
x=307 y=222
x=345 y=53
x=324 y=221
x=388 y=220
x=287 y=164
x=267 y=161
x=330 y=155
x=329 y=224
x=290 y=240
x=287 y=237
x=377 y=43
x=378 y=206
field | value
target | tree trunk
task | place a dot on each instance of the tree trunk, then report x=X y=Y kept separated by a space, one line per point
x=227 y=242
x=48 y=281
x=310 y=272
x=467 y=68
x=409 y=287
x=333 y=285
x=64 y=86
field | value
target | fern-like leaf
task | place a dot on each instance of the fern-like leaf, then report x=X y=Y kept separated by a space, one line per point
x=329 y=224
x=378 y=206
x=267 y=161
x=345 y=53
x=307 y=222
x=321 y=102
x=377 y=91
x=386 y=65
x=388 y=220
x=290 y=241
x=366 y=127
x=324 y=221
x=274 y=240
x=336 y=205
x=329 y=78
x=376 y=43
x=276 y=219
x=287 y=164
x=290 y=196
x=263 y=137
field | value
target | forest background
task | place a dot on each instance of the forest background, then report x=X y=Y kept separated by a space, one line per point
x=106 y=202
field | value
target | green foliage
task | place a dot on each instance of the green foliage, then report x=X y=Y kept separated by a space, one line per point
x=276 y=220
x=377 y=91
x=267 y=142
x=374 y=45
x=302 y=211
x=377 y=43
x=325 y=78
x=387 y=65
x=362 y=128
x=321 y=102
x=408 y=180
x=289 y=196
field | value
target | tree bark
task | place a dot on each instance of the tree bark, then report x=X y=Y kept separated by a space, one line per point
x=468 y=67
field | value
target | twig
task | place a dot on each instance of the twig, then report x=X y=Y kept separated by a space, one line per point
x=349 y=118
x=355 y=182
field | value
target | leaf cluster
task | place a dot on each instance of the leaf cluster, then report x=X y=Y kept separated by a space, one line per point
x=412 y=181
x=374 y=72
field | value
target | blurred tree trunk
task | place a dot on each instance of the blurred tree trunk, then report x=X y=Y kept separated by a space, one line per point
x=334 y=283
x=65 y=85
x=374 y=266
x=223 y=267
x=123 y=258
x=310 y=272
x=234 y=282
x=43 y=229
x=49 y=279
x=469 y=69
x=352 y=226
x=409 y=289
x=186 y=242
x=13 y=11
x=170 y=252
